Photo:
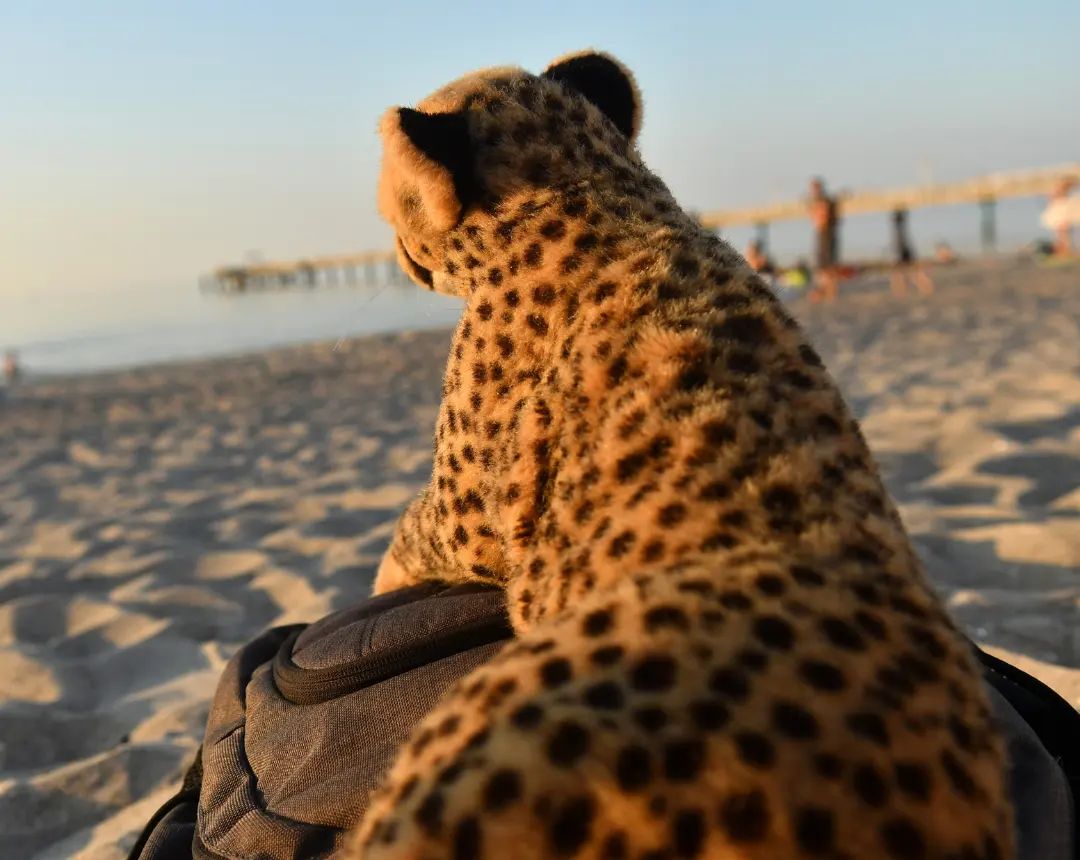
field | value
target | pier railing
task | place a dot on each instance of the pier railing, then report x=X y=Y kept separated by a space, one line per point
x=371 y=267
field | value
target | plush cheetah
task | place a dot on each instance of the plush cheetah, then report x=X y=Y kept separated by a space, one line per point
x=726 y=647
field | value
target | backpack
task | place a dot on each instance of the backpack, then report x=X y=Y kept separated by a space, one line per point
x=307 y=719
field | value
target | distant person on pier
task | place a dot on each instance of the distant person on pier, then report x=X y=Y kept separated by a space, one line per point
x=906 y=265
x=1061 y=215
x=824 y=217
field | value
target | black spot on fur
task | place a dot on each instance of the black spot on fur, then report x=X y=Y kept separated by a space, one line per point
x=774 y=632
x=717 y=433
x=572 y=824
x=731 y=683
x=683 y=759
x=651 y=719
x=958 y=775
x=614 y=847
x=621 y=544
x=770 y=585
x=709 y=715
x=653 y=674
x=869 y=786
x=660 y=617
x=597 y=622
x=555 y=672
x=870 y=726
x=715 y=491
x=842 y=635
x=822 y=676
x=745 y=817
x=568 y=744
x=815 y=830
x=913 y=780
x=743 y=328
x=828 y=766
x=902 y=840
x=607 y=655
x=807 y=576
x=605 y=696
x=755 y=749
x=633 y=768
x=527 y=717
x=688 y=833
x=671 y=515
x=429 y=813
x=735 y=600
x=503 y=789
x=794 y=721
x=537 y=323
x=467 y=839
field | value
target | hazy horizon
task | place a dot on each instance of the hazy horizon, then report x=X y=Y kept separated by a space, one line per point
x=146 y=145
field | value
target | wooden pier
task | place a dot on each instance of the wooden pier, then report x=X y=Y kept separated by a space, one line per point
x=376 y=266
x=368 y=268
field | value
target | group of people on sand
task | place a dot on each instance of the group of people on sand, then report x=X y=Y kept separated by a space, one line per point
x=1060 y=216
x=828 y=272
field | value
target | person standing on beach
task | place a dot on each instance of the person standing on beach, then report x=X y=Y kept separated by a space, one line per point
x=759 y=259
x=11 y=368
x=906 y=265
x=1060 y=215
x=824 y=217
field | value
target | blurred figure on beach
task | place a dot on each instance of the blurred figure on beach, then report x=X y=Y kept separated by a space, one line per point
x=906 y=265
x=944 y=254
x=824 y=217
x=11 y=368
x=1061 y=215
x=759 y=258
x=761 y=262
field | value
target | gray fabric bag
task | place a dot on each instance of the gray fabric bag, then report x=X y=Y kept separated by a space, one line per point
x=306 y=721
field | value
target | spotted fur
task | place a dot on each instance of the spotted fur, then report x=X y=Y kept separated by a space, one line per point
x=727 y=647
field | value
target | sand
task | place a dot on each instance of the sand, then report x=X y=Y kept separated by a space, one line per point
x=153 y=520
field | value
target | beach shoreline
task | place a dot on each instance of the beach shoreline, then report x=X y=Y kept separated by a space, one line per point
x=153 y=519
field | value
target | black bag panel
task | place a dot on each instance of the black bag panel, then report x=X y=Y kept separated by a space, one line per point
x=1042 y=731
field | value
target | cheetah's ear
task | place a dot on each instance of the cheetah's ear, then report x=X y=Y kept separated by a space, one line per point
x=429 y=155
x=606 y=83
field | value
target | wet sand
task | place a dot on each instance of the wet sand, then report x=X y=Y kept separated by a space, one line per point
x=153 y=520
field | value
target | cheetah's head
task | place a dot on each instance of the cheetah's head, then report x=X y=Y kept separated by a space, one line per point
x=495 y=136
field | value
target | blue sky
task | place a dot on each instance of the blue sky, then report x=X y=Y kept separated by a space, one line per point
x=142 y=143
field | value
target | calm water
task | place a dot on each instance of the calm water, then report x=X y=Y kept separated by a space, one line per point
x=74 y=333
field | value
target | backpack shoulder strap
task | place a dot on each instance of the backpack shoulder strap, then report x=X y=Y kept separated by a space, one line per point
x=171 y=839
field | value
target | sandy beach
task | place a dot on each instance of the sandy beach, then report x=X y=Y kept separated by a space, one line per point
x=153 y=520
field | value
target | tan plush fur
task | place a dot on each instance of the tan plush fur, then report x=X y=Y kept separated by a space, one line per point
x=727 y=647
